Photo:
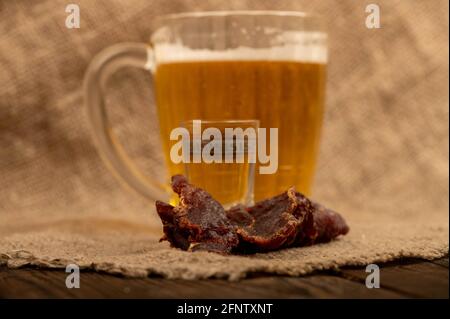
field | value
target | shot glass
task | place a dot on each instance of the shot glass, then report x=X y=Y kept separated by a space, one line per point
x=222 y=157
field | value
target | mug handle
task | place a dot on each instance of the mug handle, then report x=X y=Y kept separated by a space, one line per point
x=99 y=71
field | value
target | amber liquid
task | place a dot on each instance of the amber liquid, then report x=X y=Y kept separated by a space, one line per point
x=287 y=95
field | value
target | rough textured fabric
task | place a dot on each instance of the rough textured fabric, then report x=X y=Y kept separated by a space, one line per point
x=383 y=161
x=129 y=250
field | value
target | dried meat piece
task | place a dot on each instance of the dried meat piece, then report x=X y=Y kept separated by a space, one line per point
x=290 y=219
x=274 y=223
x=328 y=224
x=239 y=216
x=198 y=222
x=287 y=220
x=171 y=232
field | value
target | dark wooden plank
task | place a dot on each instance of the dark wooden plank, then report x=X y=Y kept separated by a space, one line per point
x=441 y=262
x=30 y=283
x=323 y=286
x=420 y=279
x=410 y=278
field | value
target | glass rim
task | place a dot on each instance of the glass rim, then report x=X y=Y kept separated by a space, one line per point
x=219 y=121
x=230 y=13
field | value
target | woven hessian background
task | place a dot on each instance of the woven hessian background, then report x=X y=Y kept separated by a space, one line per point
x=384 y=154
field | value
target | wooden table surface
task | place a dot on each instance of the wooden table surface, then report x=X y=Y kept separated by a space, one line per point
x=408 y=278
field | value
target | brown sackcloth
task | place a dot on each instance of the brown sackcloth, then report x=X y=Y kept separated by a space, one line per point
x=383 y=162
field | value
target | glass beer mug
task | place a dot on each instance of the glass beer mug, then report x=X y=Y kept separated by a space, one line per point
x=263 y=65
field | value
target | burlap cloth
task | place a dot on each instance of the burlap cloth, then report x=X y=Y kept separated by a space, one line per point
x=383 y=163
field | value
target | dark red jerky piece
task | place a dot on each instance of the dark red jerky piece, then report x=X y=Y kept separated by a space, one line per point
x=328 y=224
x=239 y=216
x=306 y=231
x=171 y=232
x=274 y=223
x=287 y=220
x=198 y=222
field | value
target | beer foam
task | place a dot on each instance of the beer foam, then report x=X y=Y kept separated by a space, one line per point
x=300 y=46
